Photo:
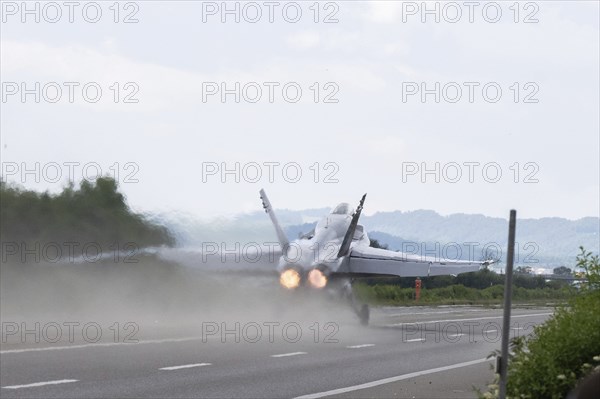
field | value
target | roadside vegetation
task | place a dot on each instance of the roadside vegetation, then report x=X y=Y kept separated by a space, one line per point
x=484 y=287
x=95 y=212
x=563 y=351
x=457 y=294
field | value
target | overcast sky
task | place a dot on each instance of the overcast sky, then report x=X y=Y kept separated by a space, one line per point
x=348 y=101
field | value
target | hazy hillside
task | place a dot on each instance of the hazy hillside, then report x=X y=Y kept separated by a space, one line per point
x=550 y=241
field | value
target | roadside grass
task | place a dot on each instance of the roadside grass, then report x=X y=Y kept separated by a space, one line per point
x=457 y=294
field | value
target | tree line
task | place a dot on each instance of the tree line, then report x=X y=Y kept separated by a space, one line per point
x=96 y=212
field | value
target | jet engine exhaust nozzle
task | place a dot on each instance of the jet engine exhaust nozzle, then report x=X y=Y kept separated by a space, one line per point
x=290 y=279
x=317 y=279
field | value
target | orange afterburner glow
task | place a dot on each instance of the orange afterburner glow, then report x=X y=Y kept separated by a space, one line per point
x=317 y=279
x=290 y=279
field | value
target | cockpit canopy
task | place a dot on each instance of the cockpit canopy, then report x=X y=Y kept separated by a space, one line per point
x=343 y=209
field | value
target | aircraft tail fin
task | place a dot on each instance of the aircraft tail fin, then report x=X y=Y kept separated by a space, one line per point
x=283 y=241
x=345 y=247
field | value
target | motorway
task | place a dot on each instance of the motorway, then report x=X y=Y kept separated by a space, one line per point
x=405 y=352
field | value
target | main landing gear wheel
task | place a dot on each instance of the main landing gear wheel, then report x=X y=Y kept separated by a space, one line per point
x=364 y=314
x=361 y=310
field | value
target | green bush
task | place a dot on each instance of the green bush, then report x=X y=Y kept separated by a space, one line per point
x=563 y=350
x=495 y=292
x=591 y=267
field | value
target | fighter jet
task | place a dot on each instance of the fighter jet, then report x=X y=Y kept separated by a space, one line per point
x=338 y=251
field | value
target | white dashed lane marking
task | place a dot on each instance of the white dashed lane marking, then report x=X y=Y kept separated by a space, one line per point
x=39 y=384
x=185 y=366
x=455 y=320
x=415 y=340
x=289 y=354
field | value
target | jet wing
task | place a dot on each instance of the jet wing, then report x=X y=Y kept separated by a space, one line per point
x=367 y=261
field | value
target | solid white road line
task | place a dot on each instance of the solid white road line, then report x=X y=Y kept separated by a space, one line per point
x=185 y=366
x=391 y=379
x=56 y=348
x=415 y=340
x=444 y=312
x=475 y=318
x=39 y=384
x=289 y=354
x=489 y=331
x=455 y=335
x=359 y=346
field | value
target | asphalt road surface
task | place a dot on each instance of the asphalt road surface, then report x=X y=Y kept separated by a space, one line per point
x=410 y=352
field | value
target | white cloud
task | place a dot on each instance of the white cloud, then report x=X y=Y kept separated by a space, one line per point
x=368 y=54
x=304 y=40
x=386 y=145
x=384 y=11
x=158 y=85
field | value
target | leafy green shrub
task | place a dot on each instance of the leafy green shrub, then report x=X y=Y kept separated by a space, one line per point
x=563 y=350
x=495 y=292
x=591 y=267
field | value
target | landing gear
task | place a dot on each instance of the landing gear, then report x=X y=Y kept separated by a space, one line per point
x=361 y=310
x=363 y=314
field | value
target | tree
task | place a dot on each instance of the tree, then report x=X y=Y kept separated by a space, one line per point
x=591 y=267
x=523 y=270
x=375 y=244
x=95 y=213
x=562 y=271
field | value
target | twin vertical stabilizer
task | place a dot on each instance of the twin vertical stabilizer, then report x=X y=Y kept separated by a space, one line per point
x=283 y=241
x=345 y=247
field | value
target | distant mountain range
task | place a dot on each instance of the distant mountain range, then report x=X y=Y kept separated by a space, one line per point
x=545 y=242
